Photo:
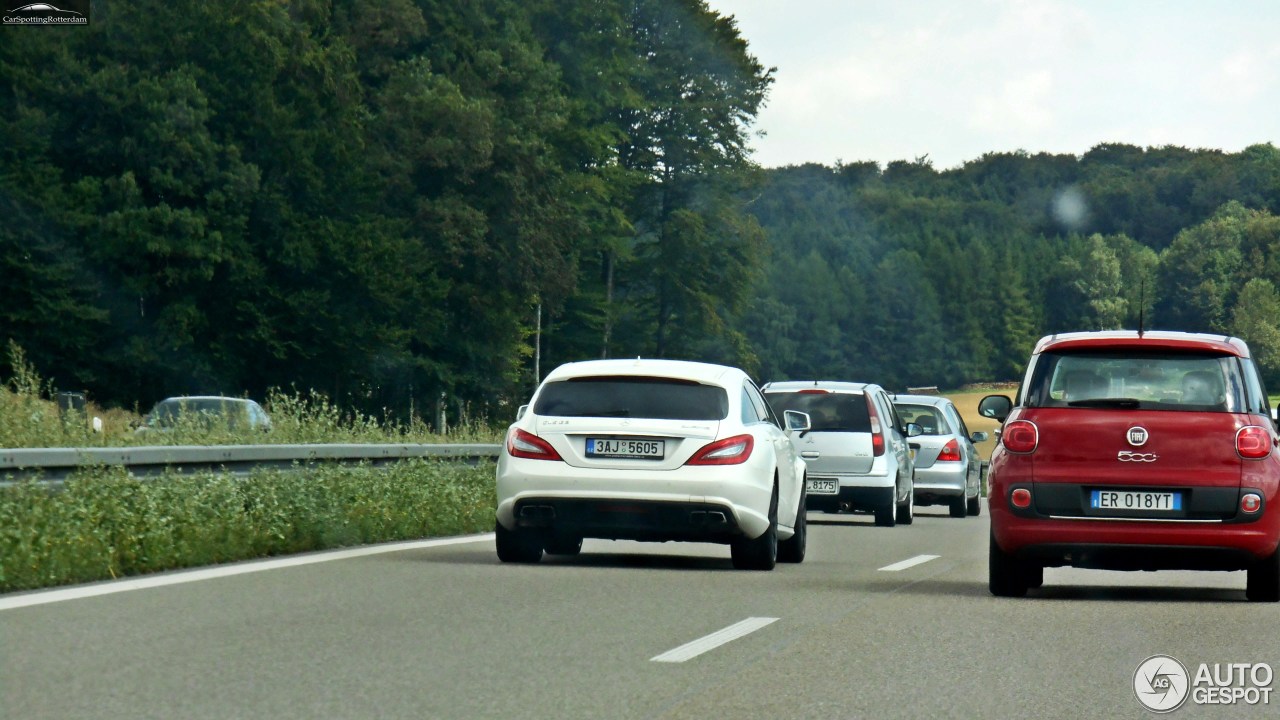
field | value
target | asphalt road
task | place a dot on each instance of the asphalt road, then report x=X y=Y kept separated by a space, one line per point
x=422 y=631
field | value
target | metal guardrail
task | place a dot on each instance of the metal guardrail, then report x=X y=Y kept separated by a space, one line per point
x=55 y=464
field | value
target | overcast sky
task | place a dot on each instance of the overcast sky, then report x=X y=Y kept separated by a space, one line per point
x=888 y=80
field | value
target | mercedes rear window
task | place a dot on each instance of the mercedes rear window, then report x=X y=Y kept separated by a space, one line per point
x=1150 y=381
x=632 y=397
x=828 y=411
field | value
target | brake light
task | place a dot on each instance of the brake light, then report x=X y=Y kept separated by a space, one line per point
x=1020 y=436
x=950 y=452
x=877 y=434
x=1021 y=498
x=1253 y=442
x=729 y=451
x=523 y=444
x=1251 y=503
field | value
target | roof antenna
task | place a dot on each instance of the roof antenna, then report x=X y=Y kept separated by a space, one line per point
x=1142 y=305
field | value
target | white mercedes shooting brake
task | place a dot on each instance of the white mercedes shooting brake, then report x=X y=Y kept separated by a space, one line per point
x=651 y=450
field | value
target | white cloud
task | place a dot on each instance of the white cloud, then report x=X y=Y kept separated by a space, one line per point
x=887 y=80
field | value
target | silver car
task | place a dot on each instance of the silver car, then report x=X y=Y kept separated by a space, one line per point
x=948 y=467
x=856 y=448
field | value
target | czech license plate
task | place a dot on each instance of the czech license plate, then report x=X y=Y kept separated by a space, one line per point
x=823 y=486
x=1135 y=500
x=638 y=449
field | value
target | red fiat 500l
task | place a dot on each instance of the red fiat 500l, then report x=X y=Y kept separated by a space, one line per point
x=1129 y=451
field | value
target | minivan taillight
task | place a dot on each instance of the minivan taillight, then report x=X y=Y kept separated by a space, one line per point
x=1253 y=442
x=950 y=452
x=1020 y=436
x=526 y=445
x=877 y=433
x=730 y=451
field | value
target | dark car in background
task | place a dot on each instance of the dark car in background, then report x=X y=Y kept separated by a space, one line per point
x=1135 y=451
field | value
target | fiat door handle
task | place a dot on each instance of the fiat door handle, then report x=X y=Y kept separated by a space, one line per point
x=810 y=454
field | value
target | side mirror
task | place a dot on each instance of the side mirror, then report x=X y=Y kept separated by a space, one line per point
x=520 y=411
x=980 y=437
x=914 y=429
x=797 y=421
x=996 y=407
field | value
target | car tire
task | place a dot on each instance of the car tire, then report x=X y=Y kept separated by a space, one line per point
x=1033 y=574
x=886 y=515
x=564 y=545
x=1263 y=584
x=1006 y=577
x=760 y=553
x=517 y=546
x=792 y=549
x=958 y=508
x=907 y=509
x=974 y=506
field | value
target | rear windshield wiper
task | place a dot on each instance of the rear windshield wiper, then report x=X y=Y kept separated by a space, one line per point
x=609 y=413
x=1125 y=403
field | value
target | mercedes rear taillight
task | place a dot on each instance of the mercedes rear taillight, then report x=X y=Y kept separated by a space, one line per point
x=526 y=445
x=730 y=451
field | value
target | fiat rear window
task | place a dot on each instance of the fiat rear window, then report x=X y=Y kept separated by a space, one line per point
x=1151 y=381
x=632 y=397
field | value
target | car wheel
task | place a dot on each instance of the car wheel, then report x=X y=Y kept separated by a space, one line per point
x=1263 y=584
x=907 y=510
x=517 y=546
x=760 y=553
x=974 y=506
x=1005 y=575
x=886 y=514
x=792 y=549
x=564 y=545
x=958 y=509
x=1033 y=574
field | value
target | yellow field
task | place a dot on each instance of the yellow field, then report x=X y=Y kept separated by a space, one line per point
x=967 y=404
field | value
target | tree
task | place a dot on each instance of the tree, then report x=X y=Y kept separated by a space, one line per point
x=1256 y=320
x=1197 y=273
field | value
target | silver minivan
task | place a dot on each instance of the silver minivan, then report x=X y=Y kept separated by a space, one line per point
x=857 y=450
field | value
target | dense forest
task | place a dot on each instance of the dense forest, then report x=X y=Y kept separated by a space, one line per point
x=392 y=201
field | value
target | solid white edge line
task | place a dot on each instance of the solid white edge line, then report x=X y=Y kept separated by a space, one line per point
x=179 y=577
x=910 y=562
x=693 y=649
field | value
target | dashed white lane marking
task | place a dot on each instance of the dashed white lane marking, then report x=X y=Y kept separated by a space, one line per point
x=911 y=562
x=177 y=578
x=714 y=640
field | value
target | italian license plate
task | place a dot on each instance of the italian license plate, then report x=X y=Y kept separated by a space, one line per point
x=1142 y=501
x=823 y=486
x=637 y=449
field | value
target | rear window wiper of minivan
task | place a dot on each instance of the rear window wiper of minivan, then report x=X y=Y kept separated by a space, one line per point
x=1124 y=403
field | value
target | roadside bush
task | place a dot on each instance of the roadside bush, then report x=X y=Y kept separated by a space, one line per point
x=106 y=524
x=29 y=417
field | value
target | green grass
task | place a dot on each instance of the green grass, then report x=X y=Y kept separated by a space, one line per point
x=30 y=418
x=105 y=524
